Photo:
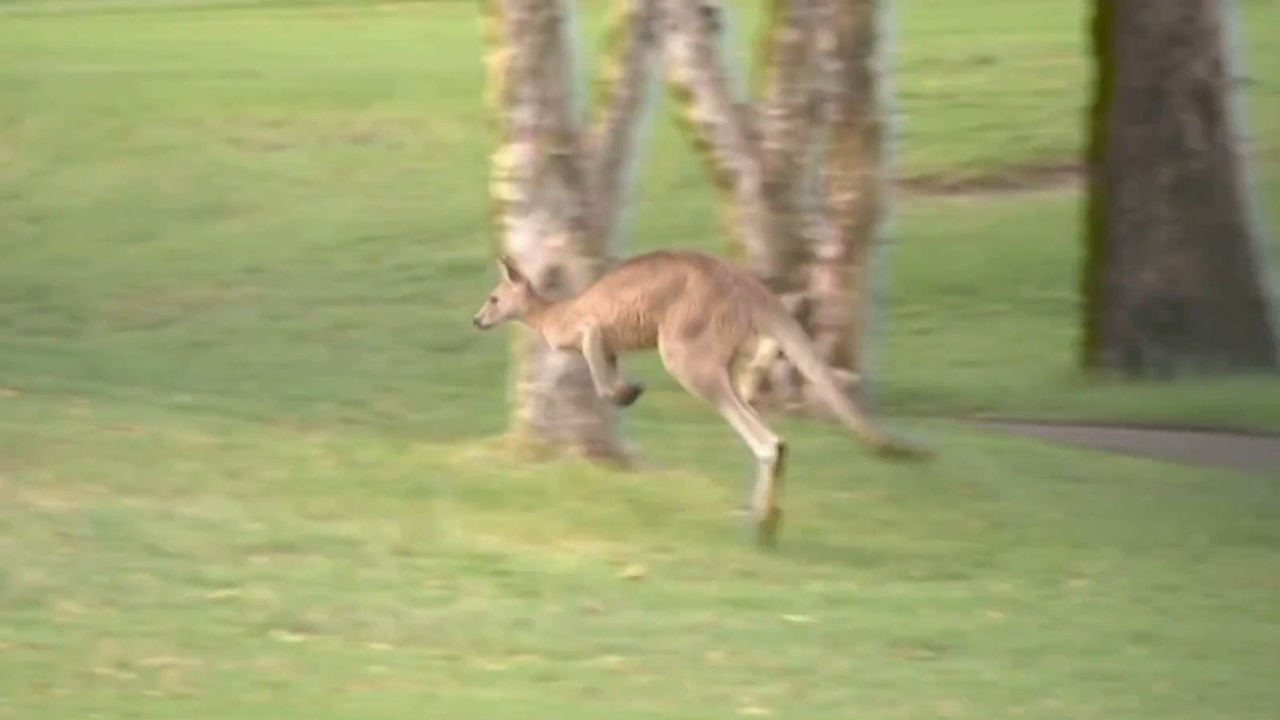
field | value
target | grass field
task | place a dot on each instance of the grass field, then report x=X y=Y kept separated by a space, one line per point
x=246 y=455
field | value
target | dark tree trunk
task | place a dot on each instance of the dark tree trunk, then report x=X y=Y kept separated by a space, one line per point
x=1171 y=284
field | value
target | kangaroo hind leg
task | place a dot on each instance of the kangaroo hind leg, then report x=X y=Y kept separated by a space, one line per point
x=770 y=451
x=714 y=384
x=603 y=364
x=752 y=372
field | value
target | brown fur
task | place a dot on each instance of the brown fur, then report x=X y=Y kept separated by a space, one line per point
x=709 y=321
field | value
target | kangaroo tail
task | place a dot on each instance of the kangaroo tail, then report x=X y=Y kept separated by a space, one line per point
x=798 y=348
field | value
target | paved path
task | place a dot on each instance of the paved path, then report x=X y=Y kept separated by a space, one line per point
x=1247 y=451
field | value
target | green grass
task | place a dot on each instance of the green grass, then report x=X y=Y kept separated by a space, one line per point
x=246 y=456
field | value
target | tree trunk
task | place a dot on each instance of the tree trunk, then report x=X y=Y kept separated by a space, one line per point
x=1171 y=284
x=800 y=169
x=849 y=192
x=723 y=129
x=557 y=196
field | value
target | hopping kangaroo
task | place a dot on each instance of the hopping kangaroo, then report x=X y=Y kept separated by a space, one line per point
x=709 y=320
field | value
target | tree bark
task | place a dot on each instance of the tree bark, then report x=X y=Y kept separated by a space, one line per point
x=1171 y=282
x=557 y=197
x=800 y=168
x=632 y=54
x=723 y=130
x=849 y=192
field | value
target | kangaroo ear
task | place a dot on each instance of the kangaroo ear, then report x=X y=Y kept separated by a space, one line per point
x=510 y=273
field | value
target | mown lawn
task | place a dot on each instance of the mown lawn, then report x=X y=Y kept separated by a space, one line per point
x=246 y=455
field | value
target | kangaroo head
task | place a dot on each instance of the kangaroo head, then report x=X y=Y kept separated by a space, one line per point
x=510 y=300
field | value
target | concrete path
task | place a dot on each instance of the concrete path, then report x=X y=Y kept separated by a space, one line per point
x=1257 y=452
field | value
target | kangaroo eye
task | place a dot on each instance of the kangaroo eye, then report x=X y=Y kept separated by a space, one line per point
x=492 y=299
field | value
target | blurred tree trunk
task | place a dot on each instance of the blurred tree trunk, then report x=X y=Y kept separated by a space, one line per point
x=798 y=170
x=557 y=189
x=723 y=128
x=1171 y=284
x=847 y=197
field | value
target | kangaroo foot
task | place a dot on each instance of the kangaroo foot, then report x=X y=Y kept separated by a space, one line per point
x=767 y=529
x=627 y=394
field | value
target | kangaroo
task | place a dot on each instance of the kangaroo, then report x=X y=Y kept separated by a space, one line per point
x=708 y=320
